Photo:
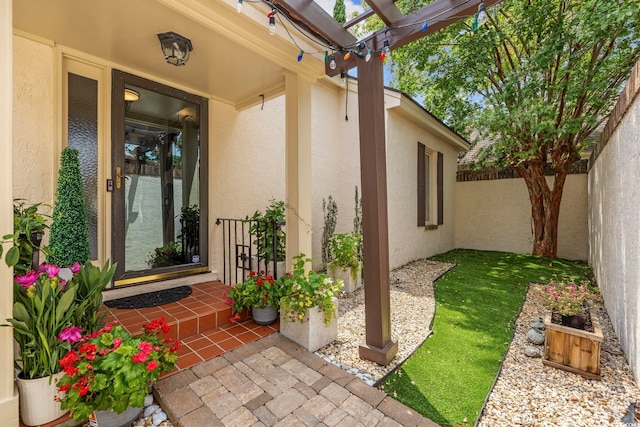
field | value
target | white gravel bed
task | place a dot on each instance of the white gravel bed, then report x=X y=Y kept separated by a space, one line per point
x=528 y=393
x=412 y=310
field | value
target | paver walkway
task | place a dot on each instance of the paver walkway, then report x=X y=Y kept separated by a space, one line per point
x=275 y=382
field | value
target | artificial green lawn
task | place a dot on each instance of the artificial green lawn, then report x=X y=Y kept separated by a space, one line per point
x=448 y=378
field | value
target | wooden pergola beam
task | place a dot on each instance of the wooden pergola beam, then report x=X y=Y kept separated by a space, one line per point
x=439 y=14
x=317 y=20
x=386 y=10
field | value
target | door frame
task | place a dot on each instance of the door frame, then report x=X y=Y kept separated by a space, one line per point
x=122 y=278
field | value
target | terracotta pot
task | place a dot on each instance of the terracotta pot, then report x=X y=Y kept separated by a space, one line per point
x=37 y=400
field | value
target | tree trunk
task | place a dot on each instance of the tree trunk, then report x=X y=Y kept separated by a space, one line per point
x=545 y=206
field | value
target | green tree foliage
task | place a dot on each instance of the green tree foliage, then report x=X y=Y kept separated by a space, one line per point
x=340 y=12
x=69 y=240
x=536 y=79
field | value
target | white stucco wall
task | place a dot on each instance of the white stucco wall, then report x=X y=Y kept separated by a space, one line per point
x=34 y=118
x=614 y=243
x=496 y=215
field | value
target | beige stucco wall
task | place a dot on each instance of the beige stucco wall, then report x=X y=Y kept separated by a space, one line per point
x=614 y=243
x=496 y=215
x=8 y=391
x=34 y=119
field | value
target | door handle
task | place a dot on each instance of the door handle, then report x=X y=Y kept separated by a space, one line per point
x=119 y=177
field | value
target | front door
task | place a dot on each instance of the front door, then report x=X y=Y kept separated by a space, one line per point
x=159 y=181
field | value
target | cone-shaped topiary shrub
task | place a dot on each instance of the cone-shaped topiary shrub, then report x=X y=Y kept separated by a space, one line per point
x=69 y=239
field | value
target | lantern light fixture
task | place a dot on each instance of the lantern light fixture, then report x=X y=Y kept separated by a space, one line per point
x=176 y=48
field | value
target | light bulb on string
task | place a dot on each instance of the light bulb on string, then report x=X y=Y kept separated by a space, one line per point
x=272 y=22
x=385 y=50
x=343 y=78
x=367 y=57
x=300 y=55
x=424 y=26
x=239 y=6
x=332 y=62
x=482 y=14
x=347 y=56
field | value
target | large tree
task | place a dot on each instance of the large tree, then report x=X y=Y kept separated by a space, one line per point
x=536 y=80
x=340 y=11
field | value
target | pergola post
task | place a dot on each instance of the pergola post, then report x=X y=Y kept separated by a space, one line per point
x=298 y=166
x=8 y=392
x=378 y=347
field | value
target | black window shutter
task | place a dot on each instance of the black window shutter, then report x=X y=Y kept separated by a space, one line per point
x=440 y=189
x=422 y=181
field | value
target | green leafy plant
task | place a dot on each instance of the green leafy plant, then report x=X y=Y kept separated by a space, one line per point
x=330 y=211
x=69 y=239
x=112 y=370
x=304 y=290
x=345 y=248
x=268 y=231
x=259 y=290
x=166 y=255
x=567 y=297
x=91 y=282
x=44 y=305
x=28 y=229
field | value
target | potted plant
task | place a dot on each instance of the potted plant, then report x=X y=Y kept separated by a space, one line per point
x=167 y=255
x=111 y=370
x=69 y=238
x=269 y=238
x=190 y=233
x=28 y=230
x=261 y=293
x=308 y=308
x=569 y=326
x=346 y=265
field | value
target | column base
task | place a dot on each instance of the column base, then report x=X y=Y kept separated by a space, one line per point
x=381 y=356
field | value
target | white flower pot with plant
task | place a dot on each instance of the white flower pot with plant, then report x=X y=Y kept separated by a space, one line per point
x=346 y=265
x=308 y=309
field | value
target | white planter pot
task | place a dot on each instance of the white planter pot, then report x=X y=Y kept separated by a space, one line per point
x=350 y=283
x=37 y=400
x=312 y=333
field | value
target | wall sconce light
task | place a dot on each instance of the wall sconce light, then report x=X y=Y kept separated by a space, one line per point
x=176 y=48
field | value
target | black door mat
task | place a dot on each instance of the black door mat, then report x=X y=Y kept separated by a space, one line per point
x=151 y=299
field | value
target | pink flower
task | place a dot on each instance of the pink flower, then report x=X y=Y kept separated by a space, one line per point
x=28 y=279
x=228 y=301
x=152 y=365
x=63 y=285
x=75 y=268
x=145 y=347
x=139 y=358
x=71 y=334
x=224 y=294
x=52 y=270
x=117 y=342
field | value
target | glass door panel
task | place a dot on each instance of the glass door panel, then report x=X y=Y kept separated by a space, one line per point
x=158 y=204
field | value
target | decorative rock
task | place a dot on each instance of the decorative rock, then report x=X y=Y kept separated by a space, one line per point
x=166 y=423
x=535 y=336
x=538 y=325
x=148 y=400
x=159 y=417
x=532 y=351
x=536 y=319
x=150 y=410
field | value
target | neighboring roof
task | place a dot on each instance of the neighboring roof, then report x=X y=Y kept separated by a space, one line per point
x=413 y=109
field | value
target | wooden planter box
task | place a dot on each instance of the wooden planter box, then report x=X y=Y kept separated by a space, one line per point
x=573 y=350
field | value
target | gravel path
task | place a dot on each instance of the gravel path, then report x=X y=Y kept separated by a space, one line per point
x=412 y=308
x=526 y=393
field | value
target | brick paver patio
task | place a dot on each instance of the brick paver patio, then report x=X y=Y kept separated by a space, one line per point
x=275 y=382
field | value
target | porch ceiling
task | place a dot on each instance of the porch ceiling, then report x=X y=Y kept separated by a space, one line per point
x=125 y=32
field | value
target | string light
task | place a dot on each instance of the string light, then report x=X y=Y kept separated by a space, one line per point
x=385 y=50
x=367 y=57
x=347 y=56
x=482 y=13
x=272 y=22
x=239 y=6
x=343 y=78
x=332 y=62
x=424 y=26
x=300 y=55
